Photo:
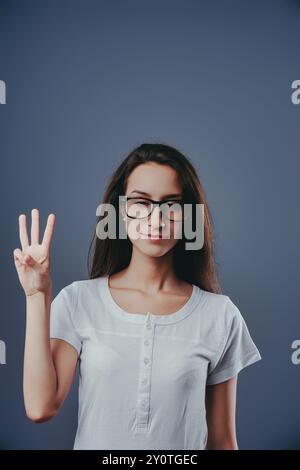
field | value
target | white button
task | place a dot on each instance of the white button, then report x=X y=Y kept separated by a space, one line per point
x=146 y=342
x=144 y=381
x=144 y=402
x=146 y=360
x=149 y=326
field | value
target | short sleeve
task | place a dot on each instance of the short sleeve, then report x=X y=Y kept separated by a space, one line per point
x=62 y=312
x=239 y=350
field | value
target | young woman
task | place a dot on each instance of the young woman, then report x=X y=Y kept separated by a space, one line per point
x=159 y=346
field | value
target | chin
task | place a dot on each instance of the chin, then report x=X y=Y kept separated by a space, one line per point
x=153 y=250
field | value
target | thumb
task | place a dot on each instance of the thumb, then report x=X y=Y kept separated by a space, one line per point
x=29 y=261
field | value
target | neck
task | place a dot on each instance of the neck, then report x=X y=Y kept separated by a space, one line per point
x=151 y=273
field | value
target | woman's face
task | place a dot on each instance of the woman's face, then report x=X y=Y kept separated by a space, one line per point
x=154 y=234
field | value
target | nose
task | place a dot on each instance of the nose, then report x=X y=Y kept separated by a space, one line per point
x=156 y=218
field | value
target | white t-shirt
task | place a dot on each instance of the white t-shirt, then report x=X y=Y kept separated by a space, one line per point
x=142 y=376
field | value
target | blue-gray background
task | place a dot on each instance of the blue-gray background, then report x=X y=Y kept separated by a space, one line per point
x=89 y=80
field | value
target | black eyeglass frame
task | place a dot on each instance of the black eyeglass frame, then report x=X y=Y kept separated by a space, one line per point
x=154 y=204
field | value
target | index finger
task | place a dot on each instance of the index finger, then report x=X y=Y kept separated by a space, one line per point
x=23 y=231
x=48 y=231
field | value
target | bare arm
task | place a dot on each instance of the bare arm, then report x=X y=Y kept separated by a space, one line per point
x=49 y=365
x=220 y=412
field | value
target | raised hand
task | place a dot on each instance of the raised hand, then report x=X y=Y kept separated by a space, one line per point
x=33 y=261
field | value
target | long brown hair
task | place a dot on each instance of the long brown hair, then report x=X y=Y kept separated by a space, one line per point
x=112 y=255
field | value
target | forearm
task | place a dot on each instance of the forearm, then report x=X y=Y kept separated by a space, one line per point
x=222 y=444
x=40 y=379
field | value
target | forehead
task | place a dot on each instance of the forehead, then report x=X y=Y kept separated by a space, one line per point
x=154 y=179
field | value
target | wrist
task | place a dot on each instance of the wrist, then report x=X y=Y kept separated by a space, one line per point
x=45 y=295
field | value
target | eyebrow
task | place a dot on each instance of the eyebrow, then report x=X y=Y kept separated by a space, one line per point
x=166 y=196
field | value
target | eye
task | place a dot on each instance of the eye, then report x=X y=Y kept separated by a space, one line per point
x=143 y=202
x=170 y=203
x=134 y=202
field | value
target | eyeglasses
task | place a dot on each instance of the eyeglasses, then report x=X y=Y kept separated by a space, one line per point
x=141 y=208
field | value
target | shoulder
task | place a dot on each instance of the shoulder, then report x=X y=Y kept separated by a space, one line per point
x=89 y=294
x=81 y=300
x=218 y=313
x=85 y=286
x=219 y=306
x=81 y=290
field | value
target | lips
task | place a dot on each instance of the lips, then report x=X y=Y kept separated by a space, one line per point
x=153 y=237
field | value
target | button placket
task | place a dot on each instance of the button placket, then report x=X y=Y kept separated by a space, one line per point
x=143 y=405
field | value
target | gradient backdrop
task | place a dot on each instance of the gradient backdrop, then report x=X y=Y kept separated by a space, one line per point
x=87 y=81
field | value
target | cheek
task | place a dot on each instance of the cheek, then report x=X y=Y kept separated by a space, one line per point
x=134 y=228
x=177 y=231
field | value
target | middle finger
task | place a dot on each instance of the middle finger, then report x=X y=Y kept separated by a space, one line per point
x=35 y=235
